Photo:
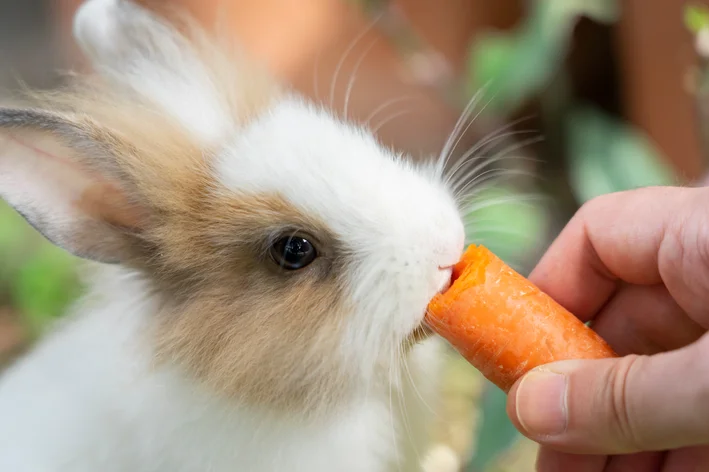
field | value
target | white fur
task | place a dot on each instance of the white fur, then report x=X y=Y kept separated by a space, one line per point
x=143 y=54
x=88 y=400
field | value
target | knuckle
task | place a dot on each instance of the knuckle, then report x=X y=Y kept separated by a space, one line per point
x=684 y=256
x=593 y=206
x=699 y=353
x=619 y=402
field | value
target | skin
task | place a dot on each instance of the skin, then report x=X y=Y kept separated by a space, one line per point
x=636 y=264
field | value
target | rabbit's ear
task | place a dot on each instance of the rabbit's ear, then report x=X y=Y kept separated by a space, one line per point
x=58 y=174
x=146 y=55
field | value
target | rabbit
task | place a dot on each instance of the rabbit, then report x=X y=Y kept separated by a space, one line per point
x=257 y=269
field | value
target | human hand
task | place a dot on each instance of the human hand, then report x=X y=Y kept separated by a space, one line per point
x=637 y=265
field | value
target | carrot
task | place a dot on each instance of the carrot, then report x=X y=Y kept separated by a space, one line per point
x=503 y=324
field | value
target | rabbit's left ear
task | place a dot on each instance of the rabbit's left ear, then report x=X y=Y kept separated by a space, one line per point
x=144 y=54
x=64 y=181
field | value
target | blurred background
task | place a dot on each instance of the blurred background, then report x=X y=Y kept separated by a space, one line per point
x=569 y=99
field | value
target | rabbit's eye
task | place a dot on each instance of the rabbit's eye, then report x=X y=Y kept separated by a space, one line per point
x=293 y=252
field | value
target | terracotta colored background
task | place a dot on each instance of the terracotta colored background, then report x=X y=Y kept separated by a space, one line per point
x=649 y=52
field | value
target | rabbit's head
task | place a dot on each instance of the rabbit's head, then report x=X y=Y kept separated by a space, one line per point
x=294 y=255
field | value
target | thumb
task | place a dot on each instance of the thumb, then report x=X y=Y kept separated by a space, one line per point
x=616 y=406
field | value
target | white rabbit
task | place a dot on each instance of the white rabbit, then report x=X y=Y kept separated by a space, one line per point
x=262 y=270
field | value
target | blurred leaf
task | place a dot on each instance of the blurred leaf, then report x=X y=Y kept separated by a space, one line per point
x=518 y=64
x=496 y=432
x=12 y=230
x=39 y=277
x=45 y=285
x=492 y=57
x=506 y=222
x=696 y=18
x=606 y=155
x=14 y=233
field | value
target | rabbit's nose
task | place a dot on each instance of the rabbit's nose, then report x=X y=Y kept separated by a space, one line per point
x=445 y=276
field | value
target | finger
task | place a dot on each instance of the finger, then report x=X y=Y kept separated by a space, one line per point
x=639 y=462
x=617 y=406
x=550 y=460
x=684 y=257
x=688 y=459
x=613 y=237
x=645 y=319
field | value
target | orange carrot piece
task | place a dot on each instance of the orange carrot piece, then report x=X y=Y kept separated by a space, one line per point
x=503 y=324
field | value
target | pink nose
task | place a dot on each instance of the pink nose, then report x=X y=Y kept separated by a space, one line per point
x=448 y=272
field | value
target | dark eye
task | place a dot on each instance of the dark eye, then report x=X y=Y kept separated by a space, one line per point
x=293 y=252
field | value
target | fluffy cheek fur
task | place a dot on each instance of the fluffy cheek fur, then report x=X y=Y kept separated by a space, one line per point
x=270 y=350
x=241 y=325
x=266 y=353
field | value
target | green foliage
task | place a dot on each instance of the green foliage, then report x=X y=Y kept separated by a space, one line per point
x=12 y=237
x=607 y=155
x=507 y=221
x=517 y=65
x=496 y=432
x=696 y=18
x=38 y=279
x=44 y=286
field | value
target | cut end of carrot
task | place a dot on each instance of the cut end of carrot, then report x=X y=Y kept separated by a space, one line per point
x=473 y=255
x=469 y=271
x=503 y=324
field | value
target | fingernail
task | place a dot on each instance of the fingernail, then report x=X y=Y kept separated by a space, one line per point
x=540 y=403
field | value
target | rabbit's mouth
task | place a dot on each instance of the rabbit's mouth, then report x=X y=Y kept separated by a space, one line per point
x=423 y=331
x=418 y=335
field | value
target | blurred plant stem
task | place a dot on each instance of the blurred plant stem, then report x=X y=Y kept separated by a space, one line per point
x=556 y=101
x=697 y=21
x=702 y=106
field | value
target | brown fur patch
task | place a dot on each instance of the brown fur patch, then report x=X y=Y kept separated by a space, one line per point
x=247 y=328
